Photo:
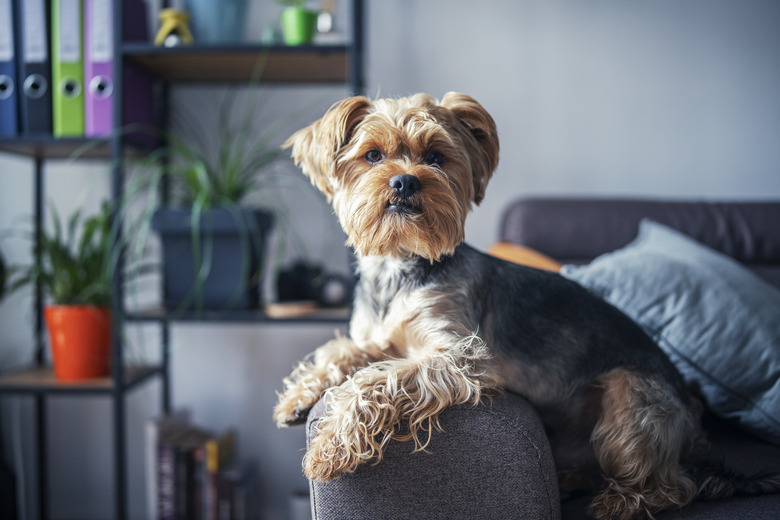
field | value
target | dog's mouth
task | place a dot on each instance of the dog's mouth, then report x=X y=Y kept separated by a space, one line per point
x=403 y=208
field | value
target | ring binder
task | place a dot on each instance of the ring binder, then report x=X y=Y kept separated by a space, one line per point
x=34 y=67
x=9 y=119
x=98 y=67
x=67 y=68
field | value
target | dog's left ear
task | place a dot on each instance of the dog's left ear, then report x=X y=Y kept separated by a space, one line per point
x=483 y=147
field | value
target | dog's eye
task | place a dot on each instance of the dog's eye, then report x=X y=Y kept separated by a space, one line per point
x=434 y=158
x=373 y=156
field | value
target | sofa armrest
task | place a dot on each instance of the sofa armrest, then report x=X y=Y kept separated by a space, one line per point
x=491 y=461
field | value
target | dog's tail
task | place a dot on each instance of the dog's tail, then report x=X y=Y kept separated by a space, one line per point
x=715 y=481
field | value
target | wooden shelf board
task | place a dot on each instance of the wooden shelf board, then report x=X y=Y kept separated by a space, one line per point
x=42 y=380
x=320 y=64
x=47 y=147
x=336 y=315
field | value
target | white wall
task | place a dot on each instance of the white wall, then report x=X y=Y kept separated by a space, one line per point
x=646 y=98
x=669 y=98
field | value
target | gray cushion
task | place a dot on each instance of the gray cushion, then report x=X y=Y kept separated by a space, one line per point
x=491 y=461
x=718 y=322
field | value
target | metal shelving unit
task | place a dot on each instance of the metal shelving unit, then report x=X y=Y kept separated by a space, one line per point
x=312 y=64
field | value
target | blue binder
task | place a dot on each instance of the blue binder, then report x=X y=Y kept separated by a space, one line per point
x=34 y=86
x=9 y=118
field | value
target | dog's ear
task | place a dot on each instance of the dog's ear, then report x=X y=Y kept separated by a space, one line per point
x=314 y=148
x=483 y=148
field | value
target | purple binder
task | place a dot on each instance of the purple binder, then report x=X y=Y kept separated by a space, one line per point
x=137 y=103
x=98 y=67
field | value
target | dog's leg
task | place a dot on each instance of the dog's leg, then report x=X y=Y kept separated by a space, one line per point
x=394 y=399
x=328 y=366
x=643 y=432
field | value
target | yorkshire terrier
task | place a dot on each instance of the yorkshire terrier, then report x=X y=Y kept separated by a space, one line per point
x=436 y=323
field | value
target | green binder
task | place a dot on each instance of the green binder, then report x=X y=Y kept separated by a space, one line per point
x=67 y=66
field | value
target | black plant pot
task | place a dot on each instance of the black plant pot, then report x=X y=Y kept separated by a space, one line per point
x=224 y=270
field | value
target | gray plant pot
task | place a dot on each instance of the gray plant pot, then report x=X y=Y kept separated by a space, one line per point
x=231 y=246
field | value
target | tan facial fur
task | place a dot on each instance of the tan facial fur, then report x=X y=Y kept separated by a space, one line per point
x=451 y=146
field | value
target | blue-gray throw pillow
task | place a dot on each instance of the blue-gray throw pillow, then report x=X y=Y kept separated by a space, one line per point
x=717 y=321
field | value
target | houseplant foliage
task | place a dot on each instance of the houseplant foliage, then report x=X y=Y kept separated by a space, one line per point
x=213 y=242
x=76 y=260
x=74 y=272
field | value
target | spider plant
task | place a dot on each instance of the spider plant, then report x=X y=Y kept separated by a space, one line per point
x=76 y=260
x=204 y=177
x=217 y=164
x=207 y=178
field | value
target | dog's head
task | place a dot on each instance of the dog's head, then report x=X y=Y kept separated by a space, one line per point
x=401 y=173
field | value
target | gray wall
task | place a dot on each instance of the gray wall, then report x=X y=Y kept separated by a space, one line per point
x=668 y=98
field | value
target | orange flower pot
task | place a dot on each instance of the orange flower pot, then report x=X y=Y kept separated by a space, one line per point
x=80 y=340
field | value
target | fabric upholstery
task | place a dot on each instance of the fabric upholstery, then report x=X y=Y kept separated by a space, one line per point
x=575 y=231
x=717 y=322
x=508 y=475
x=491 y=461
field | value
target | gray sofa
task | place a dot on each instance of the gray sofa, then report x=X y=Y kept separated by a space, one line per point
x=493 y=461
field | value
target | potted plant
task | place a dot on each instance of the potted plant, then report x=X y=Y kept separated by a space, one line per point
x=75 y=274
x=213 y=243
x=298 y=22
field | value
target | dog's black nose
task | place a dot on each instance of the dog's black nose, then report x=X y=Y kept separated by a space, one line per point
x=405 y=185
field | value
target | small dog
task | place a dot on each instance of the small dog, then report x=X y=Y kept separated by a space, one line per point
x=436 y=323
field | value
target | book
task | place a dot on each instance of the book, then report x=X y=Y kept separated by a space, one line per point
x=161 y=427
x=218 y=454
x=237 y=492
x=166 y=475
x=187 y=489
x=188 y=461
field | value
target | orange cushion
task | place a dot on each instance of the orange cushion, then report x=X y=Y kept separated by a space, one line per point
x=524 y=255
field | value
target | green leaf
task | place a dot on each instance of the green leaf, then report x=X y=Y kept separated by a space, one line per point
x=73 y=263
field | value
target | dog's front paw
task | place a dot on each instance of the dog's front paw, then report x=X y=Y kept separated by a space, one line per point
x=297 y=417
x=353 y=431
x=328 y=458
x=291 y=410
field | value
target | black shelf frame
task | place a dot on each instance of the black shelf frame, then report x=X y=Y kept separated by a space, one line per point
x=346 y=66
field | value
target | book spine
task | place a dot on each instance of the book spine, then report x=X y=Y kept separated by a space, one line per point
x=200 y=479
x=183 y=484
x=166 y=482
x=225 y=499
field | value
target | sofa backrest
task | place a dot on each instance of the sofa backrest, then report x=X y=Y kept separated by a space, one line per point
x=576 y=230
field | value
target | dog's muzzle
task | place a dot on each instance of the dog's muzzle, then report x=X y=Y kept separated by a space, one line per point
x=404 y=188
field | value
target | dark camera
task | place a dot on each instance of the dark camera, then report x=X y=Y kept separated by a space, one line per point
x=307 y=282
